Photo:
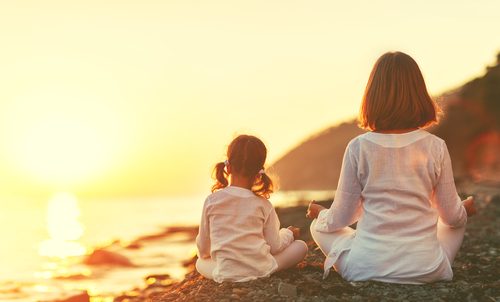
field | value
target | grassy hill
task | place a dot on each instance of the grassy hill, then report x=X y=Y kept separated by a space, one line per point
x=470 y=126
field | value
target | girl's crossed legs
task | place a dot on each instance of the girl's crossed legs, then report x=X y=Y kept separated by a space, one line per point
x=287 y=258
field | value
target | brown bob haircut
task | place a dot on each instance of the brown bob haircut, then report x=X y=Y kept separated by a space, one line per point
x=396 y=97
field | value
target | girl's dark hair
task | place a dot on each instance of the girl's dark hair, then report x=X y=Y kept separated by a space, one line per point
x=246 y=155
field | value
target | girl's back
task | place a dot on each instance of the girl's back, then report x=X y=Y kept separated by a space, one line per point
x=240 y=237
x=236 y=217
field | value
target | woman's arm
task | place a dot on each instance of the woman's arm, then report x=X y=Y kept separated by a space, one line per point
x=203 y=238
x=446 y=199
x=277 y=239
x=346 y=209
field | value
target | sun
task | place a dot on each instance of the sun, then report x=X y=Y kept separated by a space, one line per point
x=62 y=140
x=62 y=150
x=64 y=228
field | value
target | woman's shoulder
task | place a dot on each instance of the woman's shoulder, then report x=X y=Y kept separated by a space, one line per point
x=396 y=140
x=354 y=143
x=432 y=136
x=434 y=142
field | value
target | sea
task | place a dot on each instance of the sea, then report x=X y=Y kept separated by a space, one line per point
x=43 y=244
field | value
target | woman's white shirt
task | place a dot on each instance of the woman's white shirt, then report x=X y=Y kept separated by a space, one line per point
x=395 y=186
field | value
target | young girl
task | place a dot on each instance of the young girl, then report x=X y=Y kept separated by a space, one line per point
x=397 y=184
x=240 y=237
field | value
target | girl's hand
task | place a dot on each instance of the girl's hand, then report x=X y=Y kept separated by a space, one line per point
x=295 y=231
x=469 y=206
x=314 y=209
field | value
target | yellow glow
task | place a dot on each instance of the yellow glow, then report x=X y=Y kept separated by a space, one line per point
x=135 y=98
x=41 y=288
x=102 y=299
x=44 y=275
x=61 y=150
x=61 y=138
x=63 y=227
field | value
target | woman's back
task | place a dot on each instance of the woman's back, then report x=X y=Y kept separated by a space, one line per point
x=396 y=238
x=398 y=173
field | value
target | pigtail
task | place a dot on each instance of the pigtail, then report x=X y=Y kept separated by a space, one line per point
x=247 y=155
x=263 y=186
x=220 y=176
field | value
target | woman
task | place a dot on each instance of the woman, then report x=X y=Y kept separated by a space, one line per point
x=397 y=184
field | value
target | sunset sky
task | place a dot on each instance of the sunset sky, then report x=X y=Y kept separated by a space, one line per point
x=116 y=98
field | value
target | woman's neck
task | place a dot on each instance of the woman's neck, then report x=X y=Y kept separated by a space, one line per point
x=396 y=131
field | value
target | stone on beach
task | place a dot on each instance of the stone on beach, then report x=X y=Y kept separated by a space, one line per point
x=104 y=257
x=81 y=297
x=286 y=289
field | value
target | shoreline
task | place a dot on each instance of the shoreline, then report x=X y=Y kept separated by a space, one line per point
x=106 y=270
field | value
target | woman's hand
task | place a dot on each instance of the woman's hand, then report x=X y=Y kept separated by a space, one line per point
x=295 y=231
x=469 y=206
x=314 y=209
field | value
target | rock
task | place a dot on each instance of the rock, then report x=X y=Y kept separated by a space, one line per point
x=316 y=299
x=82 y=297
x=104 y=257
x=235 y=297
x=330 y=298
x=133 y=246
x=311 y=279
x=444 y=290
x=286 y=289
x=240 y=291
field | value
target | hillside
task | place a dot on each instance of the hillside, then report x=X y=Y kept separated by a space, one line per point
x=470 y=126
x=315 y=164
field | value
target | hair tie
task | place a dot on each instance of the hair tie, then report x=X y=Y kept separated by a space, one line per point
x=226 y=163
x=262 y=171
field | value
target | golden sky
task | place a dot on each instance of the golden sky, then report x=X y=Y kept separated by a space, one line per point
x=142 y=97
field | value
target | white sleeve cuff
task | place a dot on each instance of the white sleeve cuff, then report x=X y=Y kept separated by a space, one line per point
x=322 y=221
x=286 y=237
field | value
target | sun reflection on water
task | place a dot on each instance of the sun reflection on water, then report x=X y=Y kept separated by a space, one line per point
x=63 y=227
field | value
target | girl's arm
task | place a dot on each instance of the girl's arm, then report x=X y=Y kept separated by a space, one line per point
x=446 y=199
x=346 y=208
x=203 y=238
x=277 y=239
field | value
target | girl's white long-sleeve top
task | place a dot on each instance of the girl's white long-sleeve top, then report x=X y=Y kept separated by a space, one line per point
x=395 y=186
x=240 y=232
